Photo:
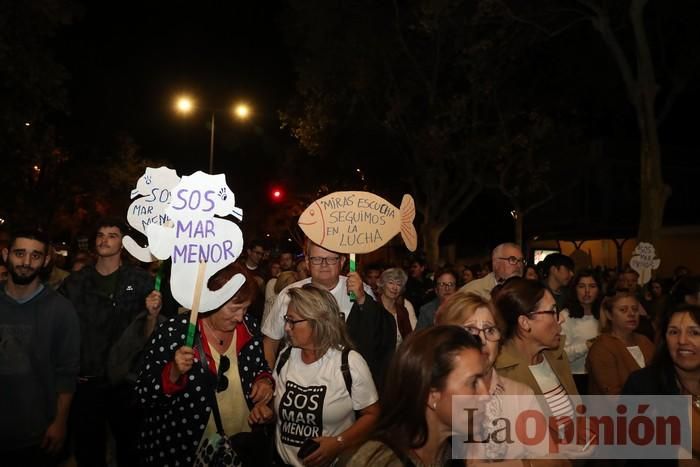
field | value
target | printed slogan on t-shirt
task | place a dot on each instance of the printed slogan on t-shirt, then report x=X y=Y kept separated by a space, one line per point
x=301 y=412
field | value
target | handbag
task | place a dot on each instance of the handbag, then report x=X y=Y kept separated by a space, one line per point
x=216 y=449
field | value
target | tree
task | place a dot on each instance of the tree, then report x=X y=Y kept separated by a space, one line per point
x=32 y=88
x=648 y=43
x=531 y=166
x=638 y=70
x=420 y=78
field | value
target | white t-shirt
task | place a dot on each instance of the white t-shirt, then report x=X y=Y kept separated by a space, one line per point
x=273 y=322
x=269 y=295
x=312 y=400
x=578 y=331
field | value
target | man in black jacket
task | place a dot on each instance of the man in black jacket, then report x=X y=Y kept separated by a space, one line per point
x=372 y=329
x=39 y=354
x=118 y=311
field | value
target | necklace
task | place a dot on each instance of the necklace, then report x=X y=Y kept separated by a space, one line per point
x=211 y=329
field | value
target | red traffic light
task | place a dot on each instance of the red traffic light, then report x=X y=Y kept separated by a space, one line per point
x=277 y=194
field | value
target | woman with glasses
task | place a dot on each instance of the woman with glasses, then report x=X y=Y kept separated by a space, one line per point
x=531 y=351
x=391 y=286
x=581 y=323
x=479 y=318
x=619 y=350
x=178 y=384
x=321 y=384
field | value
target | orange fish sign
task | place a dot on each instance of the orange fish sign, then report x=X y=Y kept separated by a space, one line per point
x=358 y=222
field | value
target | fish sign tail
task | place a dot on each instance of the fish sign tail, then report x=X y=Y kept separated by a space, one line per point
x=408 y=231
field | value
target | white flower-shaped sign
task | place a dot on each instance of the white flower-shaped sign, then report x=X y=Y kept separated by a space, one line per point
x=644 y=261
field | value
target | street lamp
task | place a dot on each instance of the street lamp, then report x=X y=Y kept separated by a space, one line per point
x=242 y=111
x=186 y=105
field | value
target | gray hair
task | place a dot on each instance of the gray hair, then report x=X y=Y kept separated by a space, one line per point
x=498 y=251
x=320 y=308
x=392 y=274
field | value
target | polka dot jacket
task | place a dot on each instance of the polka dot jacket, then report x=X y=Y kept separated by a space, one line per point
x=177 y=414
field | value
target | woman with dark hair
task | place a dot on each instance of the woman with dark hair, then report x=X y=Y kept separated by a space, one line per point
x=391 y=286
x=176 y=380
x=531 y=273
x=655 y=300
x=686 y=290
x=531 y=352
x=414 y=426
x=580 y=324
x=674 y=369
x=619 y=350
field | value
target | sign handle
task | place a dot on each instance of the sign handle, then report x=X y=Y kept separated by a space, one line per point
x=353 y=268
x=159 y=277
x=195 y=304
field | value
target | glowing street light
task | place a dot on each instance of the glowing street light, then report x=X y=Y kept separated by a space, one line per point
x=242 y=111
x=185 y=105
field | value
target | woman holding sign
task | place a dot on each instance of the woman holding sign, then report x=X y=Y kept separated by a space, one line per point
x=320 y=383
x=225 y=370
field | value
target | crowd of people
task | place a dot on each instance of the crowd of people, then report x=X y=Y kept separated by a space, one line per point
x=311 y=364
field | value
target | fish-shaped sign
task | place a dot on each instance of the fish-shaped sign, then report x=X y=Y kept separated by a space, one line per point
x=358 y=222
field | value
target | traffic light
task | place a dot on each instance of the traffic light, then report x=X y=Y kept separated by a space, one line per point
x=276 y=194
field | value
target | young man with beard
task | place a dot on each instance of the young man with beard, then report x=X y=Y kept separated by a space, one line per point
x=118 y=311
x=39 y=357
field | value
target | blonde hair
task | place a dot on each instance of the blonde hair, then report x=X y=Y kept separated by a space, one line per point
x=461 y=305
x=320 y=309
x=605 y=322
x=284 y=279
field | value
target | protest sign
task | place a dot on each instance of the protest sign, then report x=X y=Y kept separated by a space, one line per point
x=358 y=222
x=644 y=261
x=198 y=241
x=153 y=190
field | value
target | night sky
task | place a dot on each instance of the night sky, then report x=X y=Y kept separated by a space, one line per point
x=127 y=61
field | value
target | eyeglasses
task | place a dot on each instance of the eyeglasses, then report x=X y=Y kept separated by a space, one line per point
x=291 y=322
x=491 y=333
x=319 y=260
x=514 y=260
x=222 y=379
x=554 y=311
x=446 y=285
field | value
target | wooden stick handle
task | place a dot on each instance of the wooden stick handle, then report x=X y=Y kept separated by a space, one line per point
x=194 y=313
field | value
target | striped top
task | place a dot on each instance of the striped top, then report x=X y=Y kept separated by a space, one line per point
x=554 y=393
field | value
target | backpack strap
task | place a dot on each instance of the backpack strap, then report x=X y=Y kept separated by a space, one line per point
x=282 y=359
x=344 y=365
x=345 y=369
